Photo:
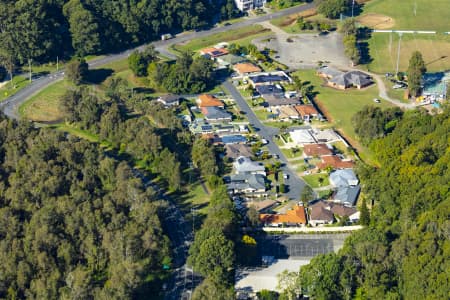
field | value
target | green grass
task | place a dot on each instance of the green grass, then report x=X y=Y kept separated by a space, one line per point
x=19 y=82
x=44 y=106
x=430 y=15
x=242 y=36
x=339 y=106
x=383 y=52
x=116 y=66
x=290 y=154
x=313 y=180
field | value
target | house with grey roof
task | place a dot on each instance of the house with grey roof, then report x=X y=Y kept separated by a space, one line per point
x=215 y=114
x=347 y=195
x=234 y=151
x=230 y=59
x=252 y=185
x=169 y=100
x=244 y=165
x=343 y=178
x=344 y=80
x=269 y=78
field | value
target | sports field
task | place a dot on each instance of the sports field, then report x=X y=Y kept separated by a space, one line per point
x=420 y=15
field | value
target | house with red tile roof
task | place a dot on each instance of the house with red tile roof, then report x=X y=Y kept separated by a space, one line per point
x=246 y=68
x=206 y=100
x=316 y=150
x=307 y=112
x=294 y=217
x=335 y=162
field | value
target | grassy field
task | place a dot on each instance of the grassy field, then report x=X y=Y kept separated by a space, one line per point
x=410 y=15
x=313 y=180
x=7 y=90
x=413 y=14
x=243 y=36
x=339 y=106
x=44 y=106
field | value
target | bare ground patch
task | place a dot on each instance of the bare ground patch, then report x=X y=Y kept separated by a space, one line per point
x=289 y=20
x=376 y=21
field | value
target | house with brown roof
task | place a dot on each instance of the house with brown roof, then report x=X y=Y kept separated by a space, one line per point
x=206 y=100
x=246 y=68
x=323 y=212
x=286 y=113
x=316 y=150
x=293 y=217
x=236 y=150
x=335 y=162
x=213 y=52
x=263 y=205
x=307 y=112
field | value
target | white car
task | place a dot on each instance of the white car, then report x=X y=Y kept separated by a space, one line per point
x=264 y=141
x=376 y=100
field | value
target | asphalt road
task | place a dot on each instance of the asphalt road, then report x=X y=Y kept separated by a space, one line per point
x=301 y=246
x=294 y=184
x=11 y=105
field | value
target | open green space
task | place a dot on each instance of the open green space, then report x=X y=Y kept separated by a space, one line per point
x=243 y=36
x=8 y=89
x=316 y=180
x=413 y=14
x=292 y=153
x=44 y=106
x=339 y=106
x=384 y=51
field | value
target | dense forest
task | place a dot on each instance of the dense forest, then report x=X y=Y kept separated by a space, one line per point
x=42 y=30
x=404 y=253
x=74 y=222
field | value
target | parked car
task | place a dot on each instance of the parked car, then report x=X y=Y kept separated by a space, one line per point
x=376 y=100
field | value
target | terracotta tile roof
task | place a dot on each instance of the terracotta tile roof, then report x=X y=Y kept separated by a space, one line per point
x=206 y=100
x=317 y=150
x=214 y=52
x=294 y=216
x=246 y=68
x=335 y=162
x=306 y=110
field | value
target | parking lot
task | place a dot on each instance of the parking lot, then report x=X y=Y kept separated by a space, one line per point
x=300 y=246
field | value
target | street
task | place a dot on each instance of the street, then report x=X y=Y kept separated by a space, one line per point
x=294 y=183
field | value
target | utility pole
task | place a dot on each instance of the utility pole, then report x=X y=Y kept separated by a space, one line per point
x=29 y=67
x=57 y=63
x=398 y=51
x=353 y=6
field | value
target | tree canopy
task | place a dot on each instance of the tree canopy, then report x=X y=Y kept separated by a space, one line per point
x=416 y=69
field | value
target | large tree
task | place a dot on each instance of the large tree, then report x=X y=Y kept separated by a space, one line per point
x=333 y=8
x=415 y=72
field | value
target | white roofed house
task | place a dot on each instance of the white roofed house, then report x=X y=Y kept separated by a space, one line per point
x=244 y=165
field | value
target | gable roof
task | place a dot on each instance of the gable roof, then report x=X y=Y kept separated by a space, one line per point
x=236 y=150
x=329 y=71
x=295 y=216
x=317 y=150
x=247 y=182
x=287 y=112
x=356 y=78
x=332 y=207
x=280 y=100
x=343 y=178
x=264 y=78
x=243 y=68
x=269 y=90
x=321 y=212
x=214 y=52
x=231 y=59
x=347 y=195
x=306 y=110
x=215 y=113
x=246 y=165
x=169 y=98
x=261 y=205
x=234 y=139
x=206 y=100
x=335 y=162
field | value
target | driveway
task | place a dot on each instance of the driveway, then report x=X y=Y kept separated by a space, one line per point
x=294 y=183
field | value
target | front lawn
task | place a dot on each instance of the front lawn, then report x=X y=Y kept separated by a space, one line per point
x=316 y=180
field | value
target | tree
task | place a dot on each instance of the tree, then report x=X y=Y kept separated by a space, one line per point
x=415 y=72
x=210 y=289
x=267 y=295
x=307 y=194
x=137 y=64
x=333 y=8
x=253 y=216
x=348 y=27
x=289 y=283
x=364 y=218
x=351 y=48
x=76 y=71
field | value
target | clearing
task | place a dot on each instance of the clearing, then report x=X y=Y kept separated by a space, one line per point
x=376 y=21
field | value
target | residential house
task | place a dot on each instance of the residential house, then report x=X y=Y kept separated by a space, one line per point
x=234 y=139
x=245 y=5
x=308 y=135
x=215 y=114
x=323 y=212
x=233 y=151
x=274 y=103
x=347 y=188
x=269 y=78
x=206 y=100
x=335 y=162
x=246 y=165
x=213 y=52
x=316 y=150
x=345 y=80
x=302 y=137
x=230 y=59
x=320 y=214
x=286 y=113
x=271 y=89
x=325 y=135
x=294 y=217
x=245 y=69
x=169 y=100
x=252 y=185
x=307 y=112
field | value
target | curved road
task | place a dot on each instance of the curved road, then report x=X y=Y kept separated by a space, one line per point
x=11 y=105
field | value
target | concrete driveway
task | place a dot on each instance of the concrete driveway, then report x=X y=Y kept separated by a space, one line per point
x=294 y=184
